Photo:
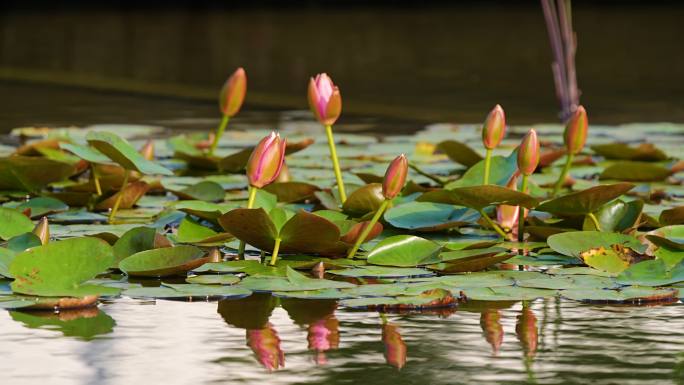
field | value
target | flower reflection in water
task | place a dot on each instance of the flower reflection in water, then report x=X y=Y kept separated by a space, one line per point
x=490 y=321
x=395 y=347
x=526 y=330
x=265 y=344
x=323 y=335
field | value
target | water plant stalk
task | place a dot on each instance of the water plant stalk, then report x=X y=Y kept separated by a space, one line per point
x=492 y=224
x=488 y=165
x=274 y=255
x=595 y=221
x=521 y=212
x=563 y=175
x=422 y=172
x=250 y=204
x=96 y=180
x=336 y=163
x=219 y=133
x=368 y=228
x=117 y=203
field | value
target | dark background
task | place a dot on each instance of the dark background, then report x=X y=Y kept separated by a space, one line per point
x=75 y=62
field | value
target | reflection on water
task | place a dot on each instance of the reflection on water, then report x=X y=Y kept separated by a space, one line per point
x=261 y=339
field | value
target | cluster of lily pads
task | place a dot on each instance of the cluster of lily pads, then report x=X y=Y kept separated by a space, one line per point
x=112 y=210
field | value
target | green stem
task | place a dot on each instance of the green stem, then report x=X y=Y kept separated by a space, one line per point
x=96 y=180
x=563 y=175
x=336 y=163
x=595 y=220
x=219 y=133
x=492 y=224
x=521 y=212
x=117 y=203
x=434 y=178
x=368 y=228
x=274 y=255
x=250 y=204
x=383 y=318
x=488 y=165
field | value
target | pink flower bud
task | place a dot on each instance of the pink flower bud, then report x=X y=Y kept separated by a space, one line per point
x=528 y=153
x=494 y=128
x=395 y=177
x=507 y=216
x=395 y=348
x=266 y=161
x=324 y=99
x=575 y=134
x=233 y=93
x=265 y=343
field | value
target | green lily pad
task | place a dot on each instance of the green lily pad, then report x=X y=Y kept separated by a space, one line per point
x=203 y=191
x=6 y=258
x=311 y=294
x=673 y=216
x=626 y=295
x=249 y=267
x=163 y=262
x=616 y=215
x=501 y=170
x=573 y=243
x=651 y=273
x=289 y=192
x=585 y=201
x=121 y=152
x=188 y=291
x=26 y=173
x=60 y=268
x=13 y=223
x=381 y=272
x=133 y=241
x=41 y=206
x=646 y=152
x=671 y=237
x=460 y=261
x=507 y=293
x=213 y=279
x=434 y=298
x=364 y=200
x=190 y=231
x=635 y=172
x=87 y=153
x=293 y=281
x=404 y=251
x=205 y=210
x=459 y=152
x=429 y=216
x=479 y=197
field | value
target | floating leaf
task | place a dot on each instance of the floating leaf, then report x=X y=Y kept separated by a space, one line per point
x=628 y=294
x=585 y=201
x=364 y=200
x=507 y=293
x=616 y=216
x=636 y=172
x=188 y=291
x=612 y=259
x=87 y=153
x=403 y=251
x=290 y=192
x=479 y=197
x=501 y=170
x=381 y=272
x=433 y=298
x=163 y=262
x=429 y=216
x=213 y=279
x=41 y=206
x=121 y=152
x=459 y=152
x=31 y=173
x=13 y=223
x=573 y=243
x=203 y=191
x=651 y=273
x=644 y=152
x=671 y=237
x=294 y=281
x=133 y=241
x=673 y=216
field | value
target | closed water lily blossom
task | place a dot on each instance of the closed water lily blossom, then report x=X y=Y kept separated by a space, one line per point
x=233 y=93
x=395 y=177
x=494 y=128
x=528 y=153
x=324 y=99
x=575 y=134
x=266 y=161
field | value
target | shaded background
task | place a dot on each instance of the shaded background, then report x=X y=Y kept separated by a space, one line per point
x=75 y=62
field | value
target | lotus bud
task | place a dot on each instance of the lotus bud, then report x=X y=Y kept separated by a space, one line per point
x=233 y=93
x=42 y=230
x=490 y=322
x=395 y=348
x=266 y=161
x=575 y=134
x=526 y=330
x=265 y=343
x=494 y=128
x=147 y=150
x=324 y=99
x=395 y=177
x=507 y=216
x=528 y=153
x=323 y=335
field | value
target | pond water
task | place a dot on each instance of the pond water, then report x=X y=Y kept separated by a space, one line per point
x=178 y=343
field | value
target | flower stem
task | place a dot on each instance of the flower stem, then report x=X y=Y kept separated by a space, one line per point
x=595 y=221
x=117 y=203
x=96 y=180
x=488 y=165
x=274 y=255
x=492 y=224
x=219 y=133
x=336 y=163
x=420 y=171
x=563 y=175
x=368 y=229
x=250 y=204
x=521 y=212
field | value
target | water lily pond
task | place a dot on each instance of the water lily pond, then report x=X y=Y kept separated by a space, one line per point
x=134 y=253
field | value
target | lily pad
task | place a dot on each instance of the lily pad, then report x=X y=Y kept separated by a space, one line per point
x=25 y=173
x=507 y=293
x=626 y=295
x=573 y=243
x=293 y=281
x=501 y=170
x=121 y=152
x=635 y=172
x=585 y=201
x=404 y=251
x=646 y=152
x=203 y=191
x=479 y=197
x=459 y=152
x=364 y=200
x=289 y=192
x=651 y=273
x=429 y=216
x=188 y=291
x=13 y=223
x=167 y=261
x=381 y=272
x=213 y=279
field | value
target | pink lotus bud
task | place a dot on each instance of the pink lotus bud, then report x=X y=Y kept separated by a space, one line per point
x=507 y=216
x=324 y=99
x=490 y=321
x=395 y=177
x=42 y=230
x=526 y=330
x=147 y=150
x=266 y=161
x=395 y=348
x=266 y=345
x=575 y=134
x=494 y=128
x=528 y=153
x=324 y=335
x=233 y=93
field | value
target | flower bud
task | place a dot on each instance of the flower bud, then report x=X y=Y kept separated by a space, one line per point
x=528 y=153
x=324 y=99
x=147 y=150
x=266 y=161
x=575 y=134
x=42 y=230
x=395 y=348
x=507 y=216
x=233 y=93
x=494 y=128
x=395 y=177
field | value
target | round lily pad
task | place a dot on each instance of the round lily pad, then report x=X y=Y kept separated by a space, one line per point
x=166 y=261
